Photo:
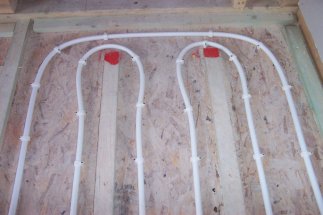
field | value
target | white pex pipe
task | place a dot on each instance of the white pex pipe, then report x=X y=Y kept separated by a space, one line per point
x=25 y=138
x=81 y=115
x=188 y=109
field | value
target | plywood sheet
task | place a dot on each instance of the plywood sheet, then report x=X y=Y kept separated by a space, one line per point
x=48 y=175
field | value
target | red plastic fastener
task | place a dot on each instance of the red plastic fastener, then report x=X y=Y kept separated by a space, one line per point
x=211 y=52
x=112 y=57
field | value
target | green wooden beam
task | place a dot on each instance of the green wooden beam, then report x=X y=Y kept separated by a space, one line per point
x=306 y=71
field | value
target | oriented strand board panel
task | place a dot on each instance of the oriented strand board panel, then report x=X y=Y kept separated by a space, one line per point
x=47 y=182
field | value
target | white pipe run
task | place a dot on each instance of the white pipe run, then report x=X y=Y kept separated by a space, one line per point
x=81 y=115
x=35 y=86
x=188 y=109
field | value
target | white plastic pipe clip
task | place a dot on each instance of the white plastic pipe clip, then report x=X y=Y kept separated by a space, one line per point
x=188 y=109
x=25 y=138
x=286 y=87
x=180 y=61
x=306 y=154
x=260 y=46
x=106 y=36
x=78 y=163
x=257 y=156
x=195 y=159
x=82 y=62
x=135 y=58
x=232 y=57
x=210 y=34
x=140 y=105
x=139 y=160
x=80 y=113
x=246 y=96
x=57 y=50
x=35 y=85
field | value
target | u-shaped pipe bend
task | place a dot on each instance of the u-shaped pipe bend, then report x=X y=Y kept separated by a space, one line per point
x=81 y=116
x=188 y=109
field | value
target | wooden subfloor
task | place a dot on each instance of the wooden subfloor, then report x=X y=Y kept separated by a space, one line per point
x=47 y=182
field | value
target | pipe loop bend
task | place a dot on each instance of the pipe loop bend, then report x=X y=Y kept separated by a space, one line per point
x=35 y=85
x=258 y=156
x=306 y=154
x=25 y=138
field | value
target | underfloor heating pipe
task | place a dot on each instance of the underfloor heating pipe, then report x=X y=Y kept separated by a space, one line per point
x=81 y=116
x=189 y=110
x=25 y=138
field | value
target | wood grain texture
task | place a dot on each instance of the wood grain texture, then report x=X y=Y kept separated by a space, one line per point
x=7 y=29
x=310 y=43
x=173 y=19
x=307 y=72
x=10 y=71
x=48 y=175
x=105 y=164
x=220 y=93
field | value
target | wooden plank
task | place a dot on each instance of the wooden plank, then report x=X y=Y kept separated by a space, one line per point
x=230 y=179
x=8 y=76
x=240 y=4
x=8 y=6
x=311 y=44
x=104 y=188
x=7 y=29
x=168 y=20
x=307 y=72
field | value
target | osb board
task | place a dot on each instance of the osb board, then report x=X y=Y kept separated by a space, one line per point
x=5 y=45
x=47 y=183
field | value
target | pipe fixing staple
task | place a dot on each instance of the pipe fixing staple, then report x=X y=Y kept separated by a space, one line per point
x=80 y=113
x=139 y=160
x=180 y=61
x=82 y=62
x=140 y=105
x=232 y=57
x=105 y=36
x=286 y=87
x=25 y=138
x=257 y=156
x=210 y=34
x=35 y=85
x=195 y=159
x=246 y=96
x=78 y=163
x=135 y=58
x=260 y=46
x=306 y=154
x=188 y=109
x=57 y=50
